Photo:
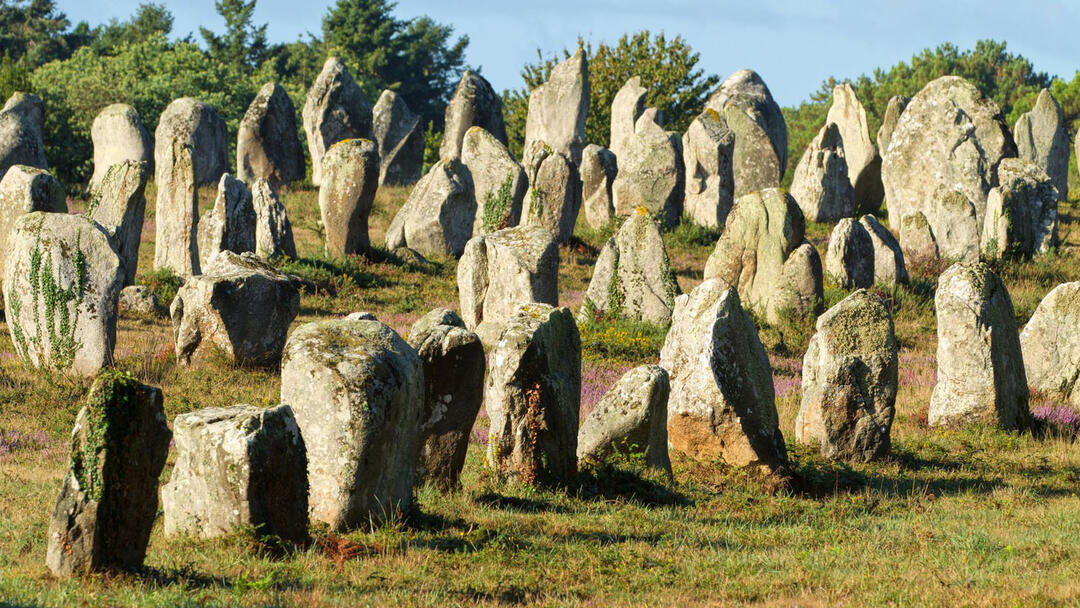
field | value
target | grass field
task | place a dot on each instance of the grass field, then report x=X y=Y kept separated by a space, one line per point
x=972 y=517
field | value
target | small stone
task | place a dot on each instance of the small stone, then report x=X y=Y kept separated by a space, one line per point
x=230 y=224
x=956 y=231
x=631 y=417
x=350 y=173
x=437 y=219
x=399 y=134
x=267 y=146
x=499 y=182
x=598 y=171
x=273 y=231
x=138 y=300
x=335 y=110
x=1021 y=213
x=23 y=190
x=1051 y=345
x=916 y=238
x=896 y=106
x=554 y=196
x=889 y=266
x=849 y=261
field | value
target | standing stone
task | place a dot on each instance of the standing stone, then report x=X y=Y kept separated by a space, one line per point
x=22 y=123
x=554 y=197
x=499 y=183
x=649 y=158
x=626 y=108
x=708 y=146
x=474 y=104
x=335 y=110
x=632 y=277
x=760 y=158
x=896 y=106
x=453 y=391
x=889 y=266
x=240 y=307
x=138 y=300
x=916 y=238
x=764 y=254
x=850 y=381
x=267 y=146
x=107 y=505
x=176 y=213
x=23 y=190
x=957 y=225
x=437 y=219
x=350 y=173
x=1042 y=138
x=631 y=417
x=1021 y=213
x=120 y=203
x=399 y=134
x=821 y=185
x=598 y=171
x=61 y=286
x=230 y=224
x=533 y=396
x=1051 y=345
x=357 y=390
x=860 y=154
x=501 y=270
x=273 y=232
x=240 y=466
x=192 y=122
x=557 y=108
x=980 y=375
x=119 y=136
x=722 y=402
x=849 y=260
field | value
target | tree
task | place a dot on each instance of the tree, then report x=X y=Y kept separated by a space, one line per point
x=35 y=32
x=149 y=20
x=13 y=77
x=244 y=45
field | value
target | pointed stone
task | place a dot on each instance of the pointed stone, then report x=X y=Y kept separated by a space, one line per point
x=745 y=94
x=821 y=186
x=120 y=203
x=1042 y=137
x=399 y=134
x=350 y=178
x=230 y=224
x=474 y=104
x=861 y=155
x=267 y=146
x=437 y=219
x=557 y=108
x=335 y=110
x=273 y=231
x=598 y=171
x=499 y=182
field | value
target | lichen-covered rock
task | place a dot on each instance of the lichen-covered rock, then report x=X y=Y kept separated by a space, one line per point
x=1042 y=138
x=453 y=391
x=500 y=271
x=849 y=260
x=860 y=154
x=267 y=146
x=916 y=238
x=721 y=404
x=632 y=277
x=980 y=375
x=707 y=148
x=631 y=417
x=230 y=224
x=955 y=225
x=399 y=134
x=139 y=300
x=120 y=205
x=474 y=104
x=107 y=505
x=192 y=122
x=533 y=396
x=22 y=122
x=357 y=391
x=335 y=110
x=1021 y=213
x=889 y=266
x=1051 y=345
x=557 y=108
x=650 y=159
x=499 y=183
x=821 y=185
x=896 y=106
x=850 y=380
x=119 y=137
x=25 y=189
x=350 y=177
x=176 y=212
x=239 y=307
x=437 y=219
x=764 y=254
x=238 y=467
x=760 y=157
x=61 y=286
x=273 y=231
x=598 y=171
x=554 y=196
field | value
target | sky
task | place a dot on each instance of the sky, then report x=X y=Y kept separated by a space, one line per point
x=794 y=44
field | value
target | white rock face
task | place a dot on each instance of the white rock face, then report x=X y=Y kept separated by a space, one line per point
x=474 y=104
x=192 y=122
x=554 y=196
x=273 y=231
x=335 y=110
x=598 y=171
x=860 y=154
x=708 y=147
x=61 y=286
x=1051 y=347
x=119 y=136
x=399 y=134
x=176 y=218
x=631 y=418
x=120 y=205
x=23 y=190
x=230 y=224
x=357 y=391
x=1042 y=138
x=499 y=182
x=557 y=108
x=437 y=219
x=821 y=185
x=349 y=179
x=22 y=122
x=267 y=146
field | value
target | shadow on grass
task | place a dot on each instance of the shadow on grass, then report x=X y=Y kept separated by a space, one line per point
x=616 y=484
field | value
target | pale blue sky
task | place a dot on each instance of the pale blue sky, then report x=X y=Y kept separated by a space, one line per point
x=794 y=44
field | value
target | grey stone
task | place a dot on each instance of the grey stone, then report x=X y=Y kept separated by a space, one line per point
x=1051 y=347
x=474 y=104
x=360 y=316
x=744 y=94
x=176 y=215
x=821 y=185
x=120 y=203
x=650 y=159
x=437 y=219
x=626 y=107
x=119 y=136
x=192 y=122
x=267 y=146
x=631 y=417
x=140 y=301
x=889 y=266
x=230 y=224
x=598 y=171
x=25 y=189
x=860 y=154
x=916 y=238
x=22 y=123
x=554 y=196
x=273 y=231
x=399 y=134
x=708 y=147
x=1021 y=213
x=350 y=178
x=499 y=183
x=955 y=226
x=557 y=108
x=335 y=110
x=849 y=260
x=896 y=106
x=1042 y=138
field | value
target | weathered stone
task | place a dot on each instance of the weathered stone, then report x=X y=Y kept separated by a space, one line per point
x=626 y=107
x=119 y=204
x=1021 y=213
x=119 y=137
x=708 y=146
x=176 y=212
x=889 y=266
x=956 y=230
x=533 y=396
x=1042 y=138
x=761 y=157
x=350 y=174
x=357 y=390
x=722 y=402
x=849 y=380
x=916 y=238
x=598 y=171
x=554 y=197
x=502 y=270
x=239 y=307
x=557 y=108
x=61 y=286
x=437 y=219
x=273 y=231
x=498 y=181
x=362 y=315
x=821 y=186
x=453 y=391
x=335 y=110
x=764 y=254
x=192 y=122
x=896 y=106
x=107 y=505
x=25 y=189
x=650 y=159
x=399 y=134
x=980 y=375
x=22 y=122
x=230 y=224
x=474 y=104
x=139 y=300
x=631 y=417
x=632 y=277
x=860 y=154
x=238 y=467
x=849 y=260
x=267 y=146
x=1051 y=345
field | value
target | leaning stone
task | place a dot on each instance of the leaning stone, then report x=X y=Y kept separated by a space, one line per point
x=889 y=266
x=177 y=210
x=192 y=122
x=821 y=185
x=708 y=146
x=1021 y=213
x=23 y=190
x=916 y=238
x=896 y=106
x=1042 y=138
x=119 y=137
x=1051 y=345
x=474 y=104
x=631 y=417
x=350 y=174
x=267 y=146
x=956 y=230
x=650 y=161
x=230 y=224
x=239 y=307
x=107 y=505
x=399 y=134
x=557 y=108
x=120 y=204
x=554 y=196
x=273 y=231
x=598 y=171
x=849 y=261
x=860 y=154
x=499 y=183
x=22 y=123
x=238 y=467
x=437 y=219
x=335 y=110
x=357 y=390
x=140 y=301
x=760 y=159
